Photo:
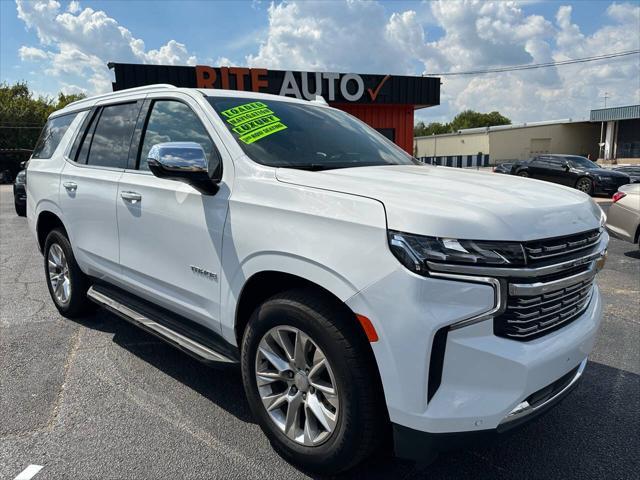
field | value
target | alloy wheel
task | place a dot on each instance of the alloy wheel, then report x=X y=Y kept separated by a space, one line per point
x=297 y=385
x=584 y=185
x=59 y=274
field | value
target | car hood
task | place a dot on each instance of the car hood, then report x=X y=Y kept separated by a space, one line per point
x=458 y=203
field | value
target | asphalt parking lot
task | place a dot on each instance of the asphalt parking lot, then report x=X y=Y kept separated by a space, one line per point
x=97 y=398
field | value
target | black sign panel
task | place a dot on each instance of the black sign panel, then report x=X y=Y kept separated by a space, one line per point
x=350 y=88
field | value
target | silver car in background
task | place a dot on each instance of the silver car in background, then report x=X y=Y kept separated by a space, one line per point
x=623 y=218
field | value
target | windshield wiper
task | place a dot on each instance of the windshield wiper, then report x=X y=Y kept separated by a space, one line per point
x=313 y=167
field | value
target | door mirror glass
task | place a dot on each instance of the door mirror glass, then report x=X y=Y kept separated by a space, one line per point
x=185 y=162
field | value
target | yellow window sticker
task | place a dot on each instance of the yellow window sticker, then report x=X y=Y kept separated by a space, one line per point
x=253 y=121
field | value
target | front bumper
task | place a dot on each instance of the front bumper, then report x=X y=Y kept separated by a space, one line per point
x=19 y=194
x=483 y=377
x=417 y=445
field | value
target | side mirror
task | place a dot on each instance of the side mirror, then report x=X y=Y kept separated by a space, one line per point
x=24 y=164
x=566 y=166
x=186 y=162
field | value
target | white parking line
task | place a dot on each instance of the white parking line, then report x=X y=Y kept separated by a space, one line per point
x=28 y=472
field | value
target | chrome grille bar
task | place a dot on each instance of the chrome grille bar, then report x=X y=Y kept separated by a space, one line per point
x=545 y=249
x=544 y=306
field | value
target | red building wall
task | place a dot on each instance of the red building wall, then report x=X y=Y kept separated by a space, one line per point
x=398 y=117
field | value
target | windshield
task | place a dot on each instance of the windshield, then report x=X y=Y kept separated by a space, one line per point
x=581 y=162
x=286 y=134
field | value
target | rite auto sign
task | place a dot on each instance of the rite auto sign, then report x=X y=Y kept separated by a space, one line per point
x=334 y=87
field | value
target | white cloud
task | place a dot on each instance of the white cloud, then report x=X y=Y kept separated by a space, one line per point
x=31 y=53
x=69 y=88
x=557 y=92
x=359 y=36
x=352 y=36
x=74 y=7
x=368 y=37
x=81 y=41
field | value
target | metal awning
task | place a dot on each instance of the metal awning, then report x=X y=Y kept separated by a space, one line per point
x=628 y=112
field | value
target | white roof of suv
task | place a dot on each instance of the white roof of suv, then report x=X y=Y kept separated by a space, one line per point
x=210 y=92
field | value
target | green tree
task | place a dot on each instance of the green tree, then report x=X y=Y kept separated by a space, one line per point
x=465 y=119
x=434 y=128
x=472 y=119
x=22 y=114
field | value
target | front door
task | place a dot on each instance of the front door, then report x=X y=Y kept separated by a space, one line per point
x=171 y=234
x=538 y=168
x=557 y=171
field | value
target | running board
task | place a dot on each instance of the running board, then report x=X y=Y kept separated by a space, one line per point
x=182 y=342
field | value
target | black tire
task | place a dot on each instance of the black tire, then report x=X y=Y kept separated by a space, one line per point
x=77 y=304
x=523 y=173
x=21 y=210
x=585 y=185
x=362 y=415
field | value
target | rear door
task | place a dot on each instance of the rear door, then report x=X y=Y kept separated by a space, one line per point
x=89 y=185
x=170 y=233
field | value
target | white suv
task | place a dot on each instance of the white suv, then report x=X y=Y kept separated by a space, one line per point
x=365 y=296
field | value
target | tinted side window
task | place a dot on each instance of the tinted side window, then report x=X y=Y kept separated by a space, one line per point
x=51 y=135
x=173 y=121
x=112 y=136
x=85 y=138
x=555 y=162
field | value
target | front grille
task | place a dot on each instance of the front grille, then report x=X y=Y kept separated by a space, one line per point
x=561 y=248
x=529 y=316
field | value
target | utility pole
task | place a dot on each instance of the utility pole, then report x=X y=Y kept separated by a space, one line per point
x=605 y=96
x=435 y=143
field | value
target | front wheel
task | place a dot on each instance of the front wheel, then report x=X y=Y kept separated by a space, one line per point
x=311 y=382
x=585 y=185
x=523 y=174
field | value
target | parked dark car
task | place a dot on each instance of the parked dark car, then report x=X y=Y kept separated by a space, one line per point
x=573 y=171
x=632 y=171
x=20 y=193
x=5 y=176
x=503 y=167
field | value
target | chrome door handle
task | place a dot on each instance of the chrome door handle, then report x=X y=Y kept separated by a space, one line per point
x=131 y=197
x=70 y=186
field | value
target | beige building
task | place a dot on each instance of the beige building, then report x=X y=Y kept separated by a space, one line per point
x=490 y=145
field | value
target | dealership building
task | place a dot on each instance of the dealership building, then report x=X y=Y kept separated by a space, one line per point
x=609 y=134
x=385 y=102
x=620 y=131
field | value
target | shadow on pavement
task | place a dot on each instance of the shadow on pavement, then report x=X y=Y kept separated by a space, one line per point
x=633 y=253
x=593 y=433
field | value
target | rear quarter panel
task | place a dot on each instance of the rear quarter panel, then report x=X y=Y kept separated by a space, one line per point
x=43 y=178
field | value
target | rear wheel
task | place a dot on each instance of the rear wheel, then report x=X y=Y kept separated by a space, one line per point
x=585 y=185
x=66 y=282
x=311 y=382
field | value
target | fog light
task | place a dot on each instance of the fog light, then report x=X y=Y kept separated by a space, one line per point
x=601 y=261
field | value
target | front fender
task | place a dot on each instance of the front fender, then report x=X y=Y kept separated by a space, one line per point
x=335 y=240
x=280 y=262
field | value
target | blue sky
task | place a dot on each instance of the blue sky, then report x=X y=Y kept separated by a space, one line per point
x=61 y=45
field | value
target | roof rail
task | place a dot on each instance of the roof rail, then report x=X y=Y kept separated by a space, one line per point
x=157 y=86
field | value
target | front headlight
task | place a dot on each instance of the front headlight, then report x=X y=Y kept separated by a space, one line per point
x=21 y=177
x=414 y=251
